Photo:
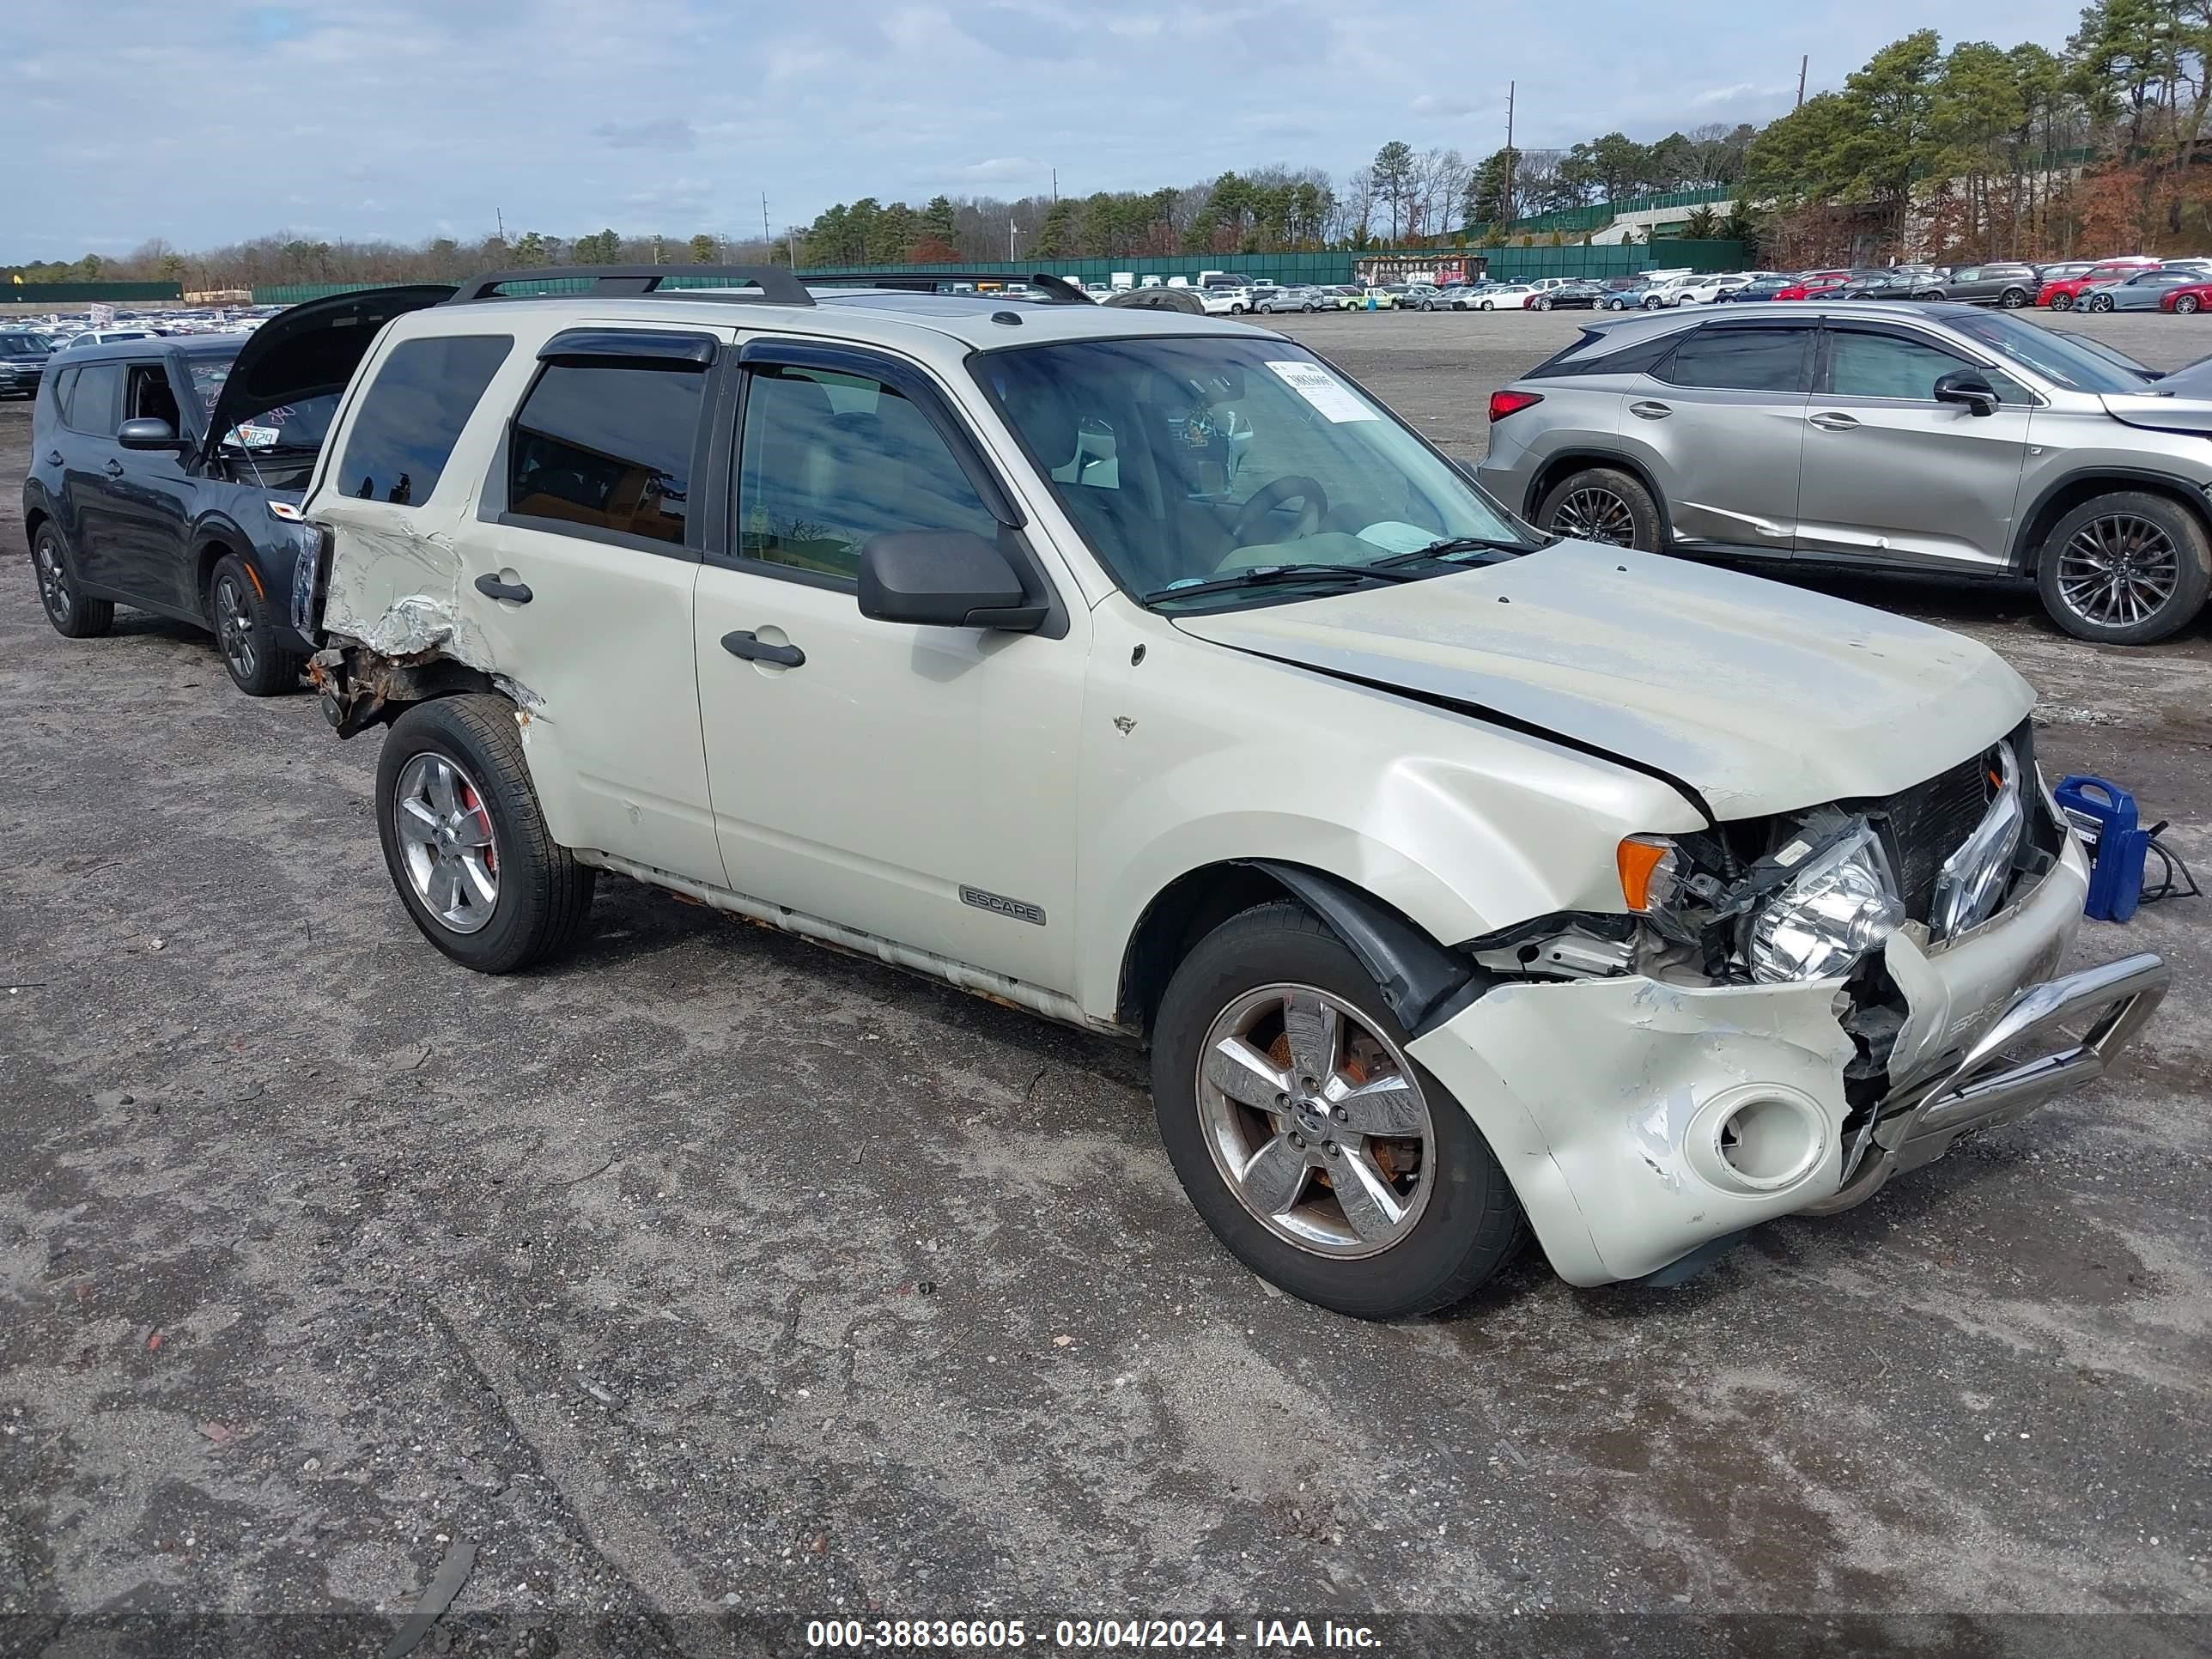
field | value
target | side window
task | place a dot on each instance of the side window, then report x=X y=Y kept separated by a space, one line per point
x=609 y=447
x=829 y=460
x=64 y=384
x=95 y=404
x=1886 y=365
x=150 y=398
x=1743 y=360
x=412 y=415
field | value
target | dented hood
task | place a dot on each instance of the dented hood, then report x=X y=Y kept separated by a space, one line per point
x=311 y=350
x=1762 y=697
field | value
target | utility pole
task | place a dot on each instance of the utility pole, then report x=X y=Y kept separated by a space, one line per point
x=1056 y=186
x=767 y=235
x=1803 y=63
x=1009 y=241
x=1505 y=207
x=501 y=218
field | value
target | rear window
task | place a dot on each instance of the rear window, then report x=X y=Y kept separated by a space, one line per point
x=412 y=415
x=1743 y=359
x=609 y=448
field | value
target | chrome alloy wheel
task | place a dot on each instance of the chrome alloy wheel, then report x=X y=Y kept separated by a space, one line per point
x=53 y=579
x=1595 y=515
x=233 y=627
x=446 y=842
x=1316 y=1121
x=2119 y=570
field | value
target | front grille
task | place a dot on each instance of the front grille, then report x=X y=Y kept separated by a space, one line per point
x=1922 y=826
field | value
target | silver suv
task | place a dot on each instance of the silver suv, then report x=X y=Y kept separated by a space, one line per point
x=1885 y=435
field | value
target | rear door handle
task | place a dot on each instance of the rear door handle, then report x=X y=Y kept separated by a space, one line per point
x=113 y=469
x=742 y=643
x=513 y=593
x=1650 y=411
x=1833 y=421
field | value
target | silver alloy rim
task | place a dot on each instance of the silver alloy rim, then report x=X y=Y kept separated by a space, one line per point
x=2119 y=570
x=1316 y=1122
x=2187 y=302
x=234 y=628
x=1592 y=514
x=53 y=580
x=446 y=841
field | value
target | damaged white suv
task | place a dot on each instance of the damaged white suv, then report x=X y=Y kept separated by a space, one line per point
x=1138 y=669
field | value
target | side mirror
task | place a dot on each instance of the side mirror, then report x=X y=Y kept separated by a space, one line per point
x=1969 y=386
x=146 y=433
x=943 y=579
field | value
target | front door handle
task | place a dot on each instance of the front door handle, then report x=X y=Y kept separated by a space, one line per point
x=742 y=643
x=513 y=593
x=1833 y=421
x=53 y=458
x=1650 y=411
x=113 y=469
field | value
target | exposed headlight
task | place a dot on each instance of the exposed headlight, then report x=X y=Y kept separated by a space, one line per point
x=1842 y=905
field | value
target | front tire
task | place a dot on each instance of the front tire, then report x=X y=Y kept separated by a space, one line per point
x=1604 y=505
x=466 y=843
x=73 y=615
x=253 y=644
x=1487 y=306
x=1329 y=1161
x=2126 y=568
x=2101 y=302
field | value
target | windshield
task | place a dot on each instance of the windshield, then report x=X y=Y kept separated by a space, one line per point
x=2059 y=358
x=21 y=346
x=1185 y=460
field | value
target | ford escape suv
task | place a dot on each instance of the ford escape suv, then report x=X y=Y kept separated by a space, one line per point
x=1140 y=670
x=1940 y=438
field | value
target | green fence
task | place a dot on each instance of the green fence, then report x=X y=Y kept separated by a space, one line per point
x=84 y=293
x=1616 y=260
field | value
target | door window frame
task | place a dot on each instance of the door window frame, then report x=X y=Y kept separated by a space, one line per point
x=1831 y=327
x=1801 y=326
x=936 y=408
x=648 y=351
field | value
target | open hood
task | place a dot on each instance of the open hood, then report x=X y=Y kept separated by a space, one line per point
x=311 y=350
x=1764 y=698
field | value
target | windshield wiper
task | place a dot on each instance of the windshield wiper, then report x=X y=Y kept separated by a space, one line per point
x=1263 y=575
x=1450 y=547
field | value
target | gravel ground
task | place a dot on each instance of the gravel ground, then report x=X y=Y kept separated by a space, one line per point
x=713 y=1276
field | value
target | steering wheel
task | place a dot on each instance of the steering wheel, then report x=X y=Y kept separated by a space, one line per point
x=1313 y=499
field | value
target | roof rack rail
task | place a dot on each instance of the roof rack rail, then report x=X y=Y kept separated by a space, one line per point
x=776 y=284
x=1057 y=290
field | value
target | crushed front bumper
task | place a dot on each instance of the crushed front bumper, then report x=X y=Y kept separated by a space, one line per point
x=1639 y=1120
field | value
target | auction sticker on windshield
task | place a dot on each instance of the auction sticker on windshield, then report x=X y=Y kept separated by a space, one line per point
x=1323 y=390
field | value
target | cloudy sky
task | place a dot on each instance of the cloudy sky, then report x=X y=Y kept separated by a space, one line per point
x=408 y=118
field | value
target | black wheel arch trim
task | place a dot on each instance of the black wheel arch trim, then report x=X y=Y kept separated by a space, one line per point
x=1417 y=976
x=2191 y=498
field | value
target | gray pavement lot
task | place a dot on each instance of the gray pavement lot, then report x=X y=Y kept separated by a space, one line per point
x=713 y=1273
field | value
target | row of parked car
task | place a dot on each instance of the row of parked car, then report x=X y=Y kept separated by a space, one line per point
x=1003 y=638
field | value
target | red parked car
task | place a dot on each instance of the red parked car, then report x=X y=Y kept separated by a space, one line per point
x=1814 y=285
x=2062 y=295
x=2190 y=296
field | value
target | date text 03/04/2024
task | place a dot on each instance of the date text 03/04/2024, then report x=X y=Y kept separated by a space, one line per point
x=1167 y=1635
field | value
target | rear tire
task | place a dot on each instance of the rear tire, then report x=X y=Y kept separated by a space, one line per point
x=1604 y=505
x=2186 y=304
x=542 y=896
x=2126 y=568
x=2013 y=299
x=252 y=642
x=1457 y=1220
x=2062 y=302
x=73 y=615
